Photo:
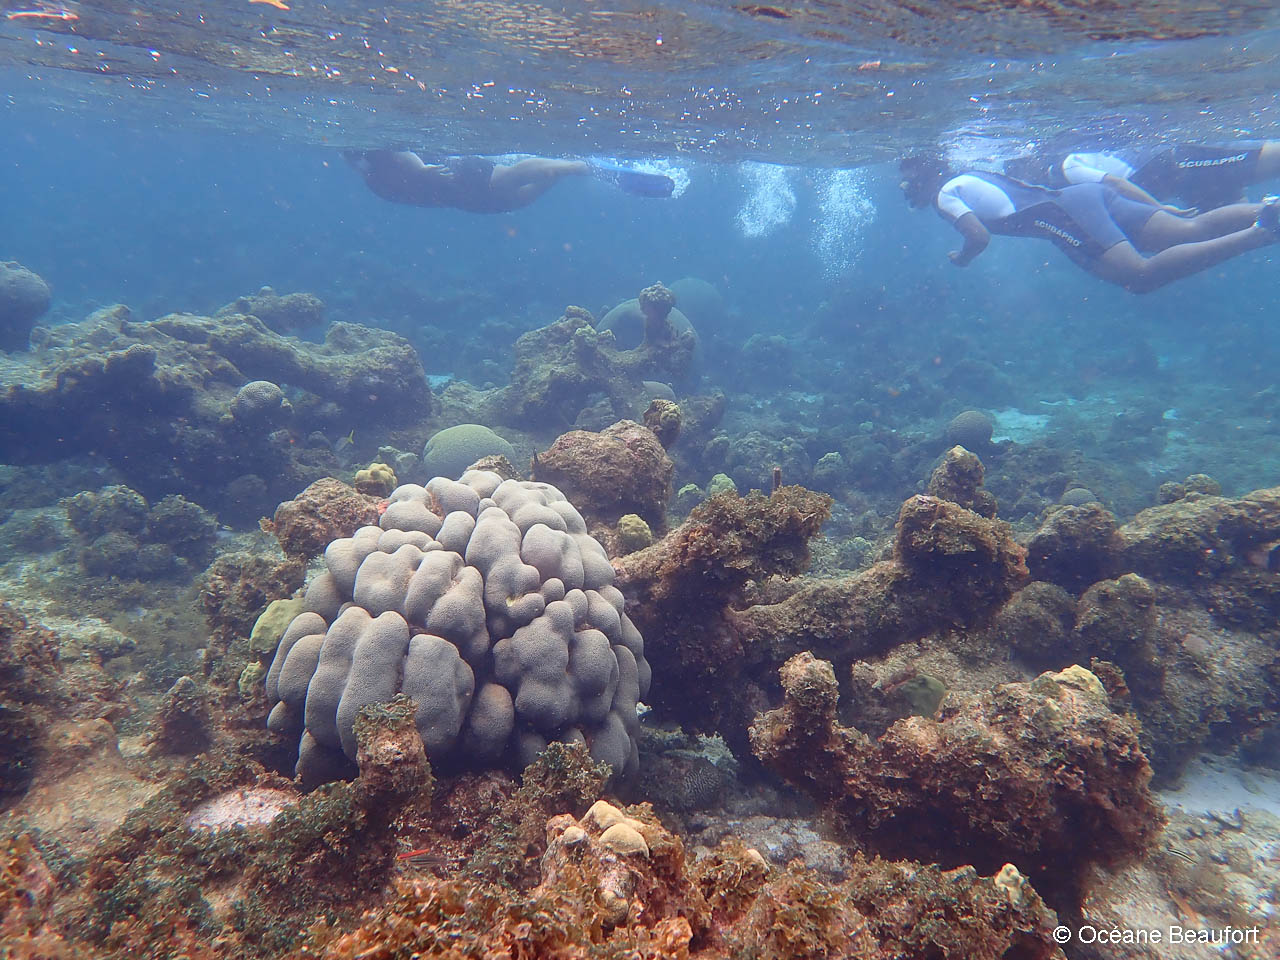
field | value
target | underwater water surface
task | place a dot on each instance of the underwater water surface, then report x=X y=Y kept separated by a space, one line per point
x=757 y=578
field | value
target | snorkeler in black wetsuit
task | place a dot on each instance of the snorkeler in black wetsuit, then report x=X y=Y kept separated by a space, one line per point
x=479 y=185
x=1203 y=176
x=1136 y=245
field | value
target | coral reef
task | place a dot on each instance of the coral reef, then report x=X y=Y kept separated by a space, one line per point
x=1116 y=622
x=32 y=693
x=664 y=418
x=237 y=587
x=1201 y=537
x=958 y=478
x=617 y=884
x=950 y=568
x=1042 y=774
x=622 y=469
x=151 y=400
x=24 y=297
x=1037 y=625
x=183 y=722
x=125 y=537
x=560 y=366
x=283 y=314
x=484 y=600
x=390 y=754
x=683 y=588
x=326 y=510
x=1075 y=546
x=449 y=452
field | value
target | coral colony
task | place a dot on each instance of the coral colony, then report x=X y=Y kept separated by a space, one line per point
x=321 y=657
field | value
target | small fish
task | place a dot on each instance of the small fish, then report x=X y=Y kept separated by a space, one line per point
x=1181 y=854
x=278 y=4
x=343 y=449
x=423 y=858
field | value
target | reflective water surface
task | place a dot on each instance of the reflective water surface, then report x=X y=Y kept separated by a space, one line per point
x=828 y=83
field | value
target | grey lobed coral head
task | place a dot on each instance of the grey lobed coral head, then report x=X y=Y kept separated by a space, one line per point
x=485 y=601
x=260 y=403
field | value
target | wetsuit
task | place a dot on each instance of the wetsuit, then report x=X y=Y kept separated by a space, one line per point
x=1083 y=221
x=460 y=182
x=1203 y=176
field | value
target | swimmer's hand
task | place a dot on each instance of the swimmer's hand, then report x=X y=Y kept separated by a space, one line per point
x=959 y=259
x=1180 y=211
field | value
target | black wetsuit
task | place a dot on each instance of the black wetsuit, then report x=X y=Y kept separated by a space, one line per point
x=464 y=182
x=1202 y=176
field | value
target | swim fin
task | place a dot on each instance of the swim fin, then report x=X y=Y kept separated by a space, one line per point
x=633 y=181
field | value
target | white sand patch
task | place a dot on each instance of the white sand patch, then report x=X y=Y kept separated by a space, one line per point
x=1011 y=424
x=1216 y=785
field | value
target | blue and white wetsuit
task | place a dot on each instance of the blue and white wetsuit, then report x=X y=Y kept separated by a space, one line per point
x=1084 y=221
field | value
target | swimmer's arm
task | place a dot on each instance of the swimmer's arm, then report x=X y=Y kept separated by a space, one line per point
x=975 y=237
x=1127 y=188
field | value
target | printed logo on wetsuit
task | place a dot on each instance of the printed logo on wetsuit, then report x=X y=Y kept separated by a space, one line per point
x=1058 y=232
x=1215 y=162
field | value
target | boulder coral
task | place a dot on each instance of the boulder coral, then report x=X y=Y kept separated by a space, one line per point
x=622 y=469
x=24 y=297
x=971 y=429
x=488 y=604
x=1042 y=774
x=449 y=452
x=326 y=510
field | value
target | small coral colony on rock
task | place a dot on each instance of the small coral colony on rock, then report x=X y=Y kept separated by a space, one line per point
x=308 y=654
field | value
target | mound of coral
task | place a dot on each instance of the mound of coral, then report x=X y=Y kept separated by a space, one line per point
x=484 y=600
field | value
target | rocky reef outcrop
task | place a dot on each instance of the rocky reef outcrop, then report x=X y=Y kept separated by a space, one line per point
x=164 y=403
x=1021 y=774
x=620 y=470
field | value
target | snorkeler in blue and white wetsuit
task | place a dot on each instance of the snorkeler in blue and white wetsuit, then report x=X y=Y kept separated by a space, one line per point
x=479 y=185
x=1131 y=243
x=1202 y=176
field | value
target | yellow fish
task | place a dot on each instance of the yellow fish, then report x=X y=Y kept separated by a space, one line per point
x=278 y=4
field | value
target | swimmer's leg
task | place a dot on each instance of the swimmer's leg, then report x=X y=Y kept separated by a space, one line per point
x=1125 y=266
x=1165 y=230
x=529 y=179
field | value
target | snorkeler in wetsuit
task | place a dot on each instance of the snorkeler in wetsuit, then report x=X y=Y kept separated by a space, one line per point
x=1201 y=176
x=479 y=185
x=1135 y=245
